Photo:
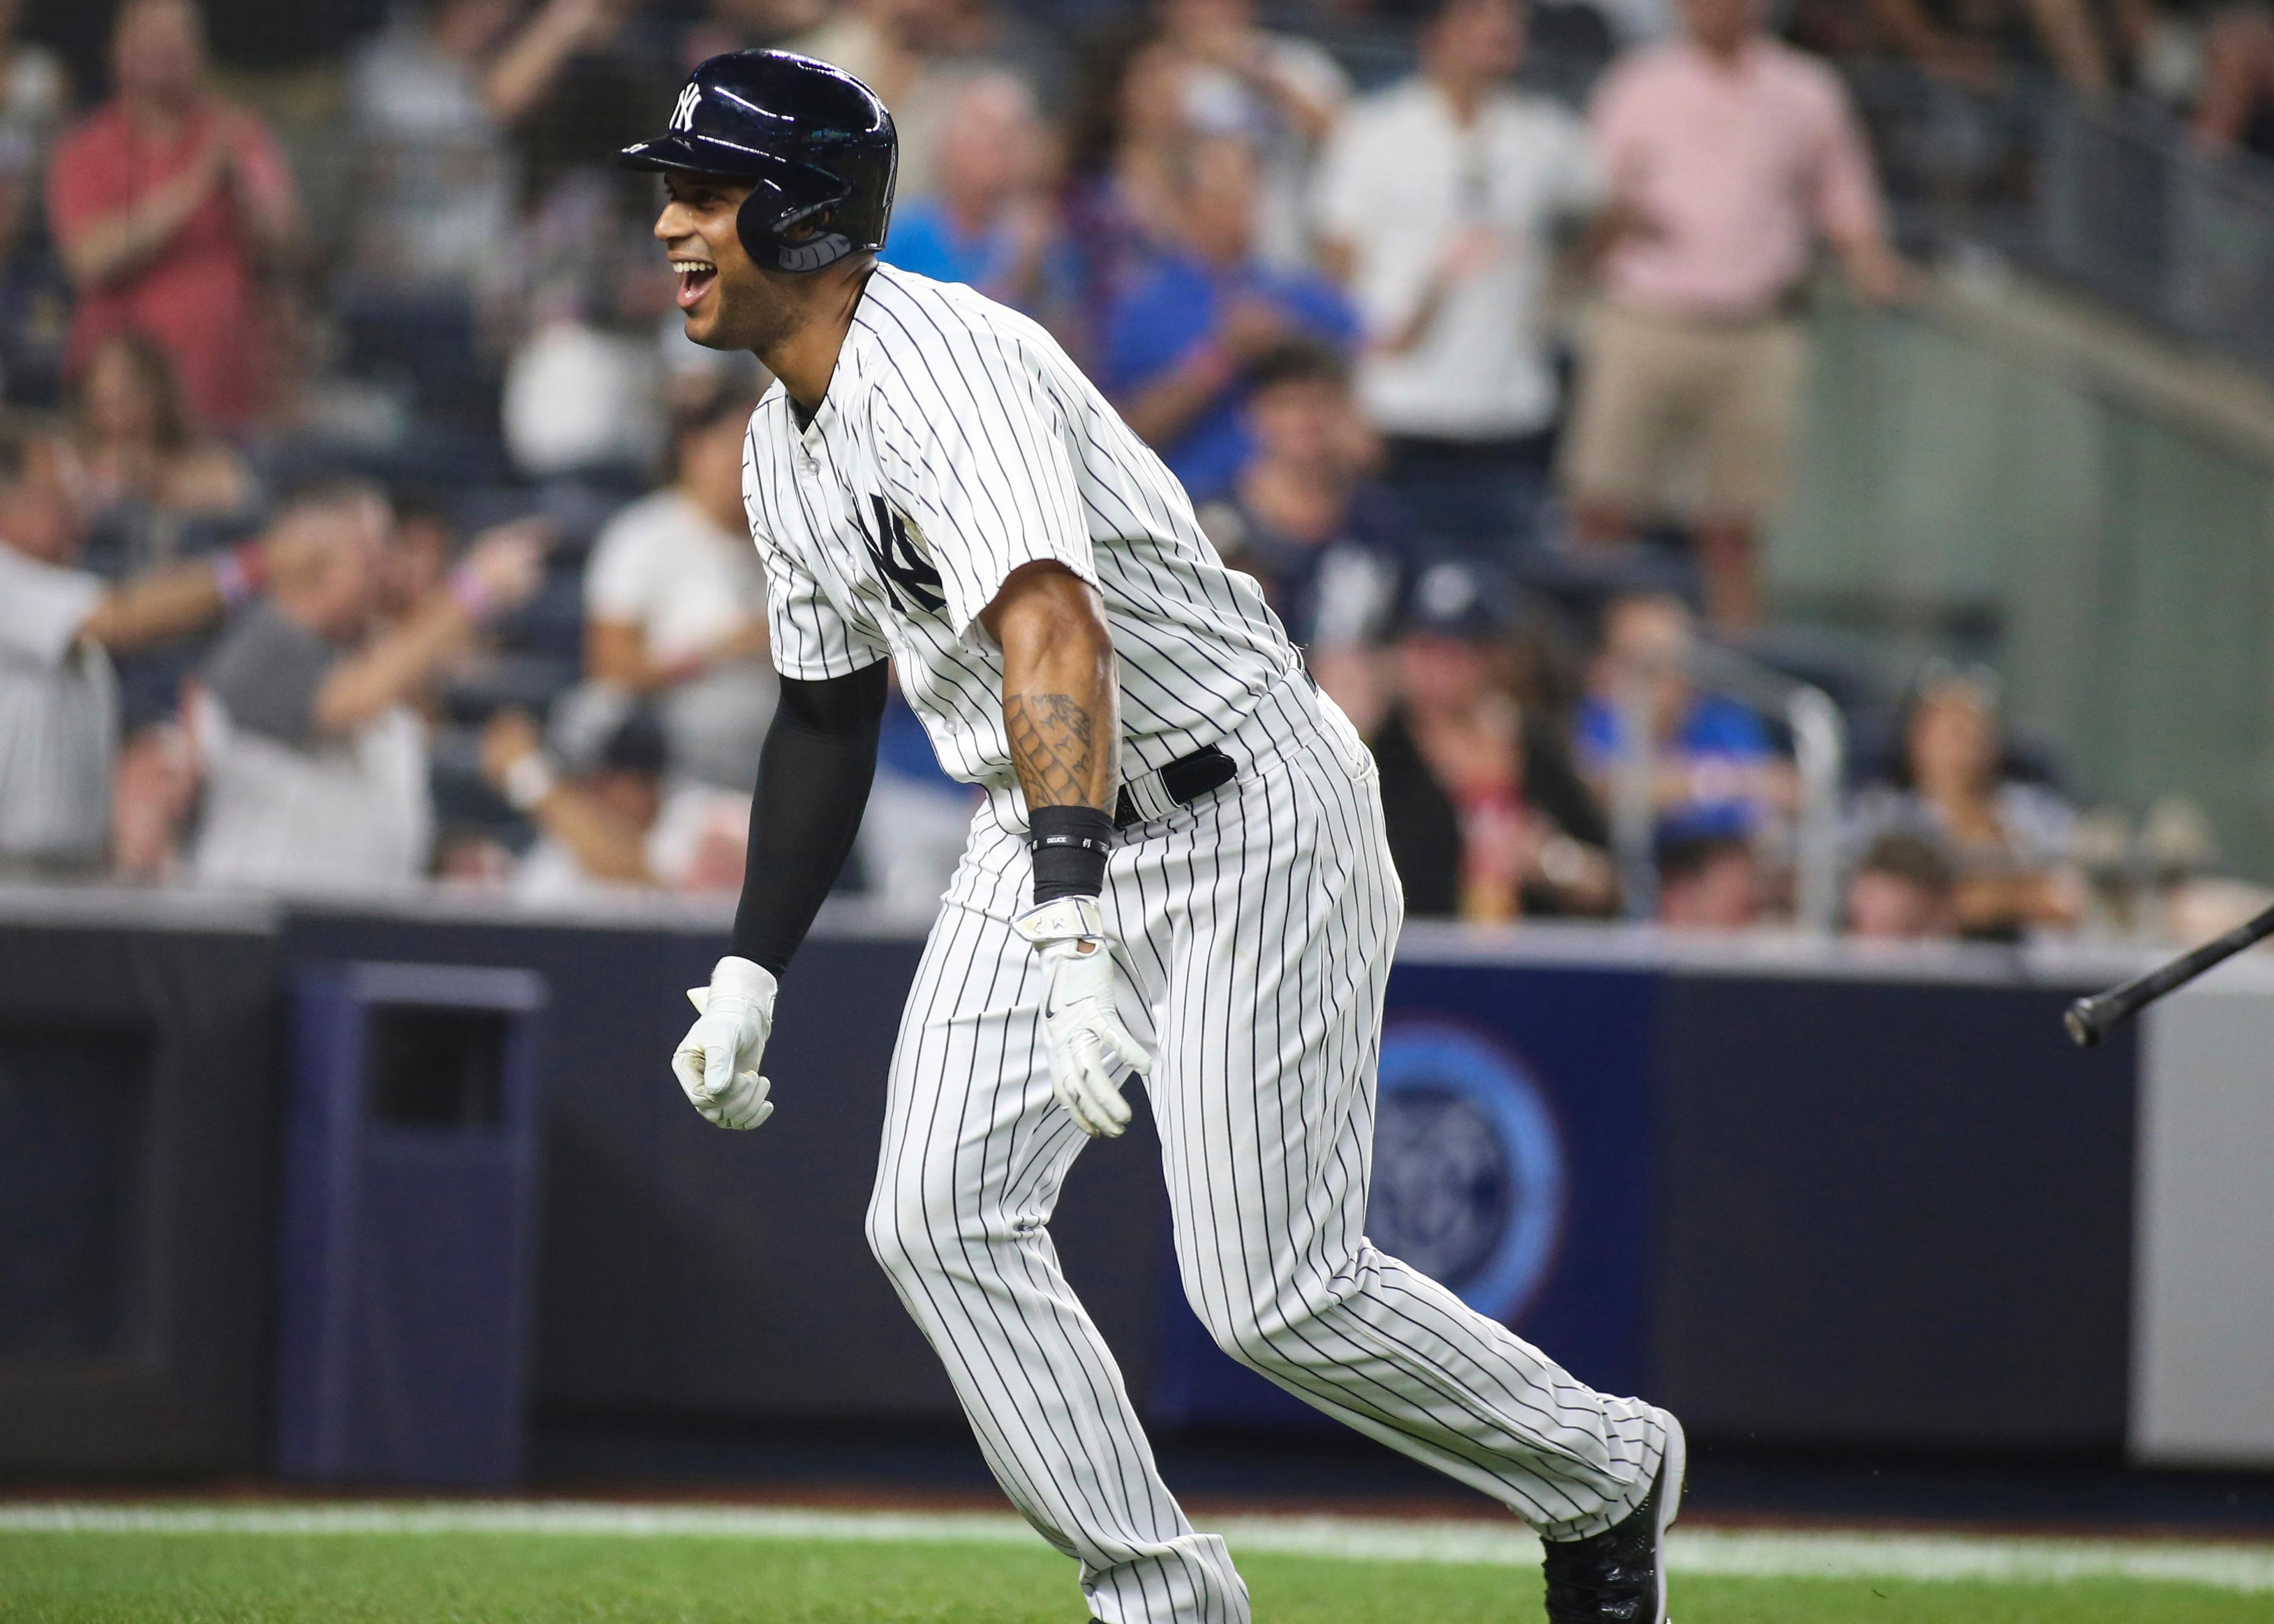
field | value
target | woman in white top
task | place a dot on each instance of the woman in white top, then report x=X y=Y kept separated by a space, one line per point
x=674 y=601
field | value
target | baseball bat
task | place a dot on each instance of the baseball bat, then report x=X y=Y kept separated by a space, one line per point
x=2089 y=1019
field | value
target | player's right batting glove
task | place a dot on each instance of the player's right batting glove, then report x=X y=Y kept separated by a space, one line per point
x=1088 y=1043
x=718 y=1060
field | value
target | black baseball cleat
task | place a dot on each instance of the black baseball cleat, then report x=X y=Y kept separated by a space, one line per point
x=1618 y=1577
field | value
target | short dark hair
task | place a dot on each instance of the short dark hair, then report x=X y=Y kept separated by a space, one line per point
x=1913 y=857
x=1687 y=857
x=637 y=745
x=417 y=503
x=1430 y=13
x=1298 y=360
x=329 y=493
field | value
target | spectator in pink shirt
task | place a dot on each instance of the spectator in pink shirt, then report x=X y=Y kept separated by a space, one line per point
x=1729 y=155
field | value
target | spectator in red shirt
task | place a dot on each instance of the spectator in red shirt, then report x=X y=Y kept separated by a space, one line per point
x=165 y=202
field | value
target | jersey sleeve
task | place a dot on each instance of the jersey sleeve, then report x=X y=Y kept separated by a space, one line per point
x=975 y=453
x=812 y=638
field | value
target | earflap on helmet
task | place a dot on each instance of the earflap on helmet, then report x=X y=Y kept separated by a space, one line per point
x=785 y=232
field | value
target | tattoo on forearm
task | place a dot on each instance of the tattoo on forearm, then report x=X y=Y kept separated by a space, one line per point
x=1052 y=748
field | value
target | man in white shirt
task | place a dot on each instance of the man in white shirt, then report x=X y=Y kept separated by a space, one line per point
x=1439 y=203
x=58 y=699
x=314 y=761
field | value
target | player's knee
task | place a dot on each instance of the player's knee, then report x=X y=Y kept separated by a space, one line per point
x=1271 y=1349
x=1273 y=1322
x=912 y=1225
x=897 y=1230
x=1269 y=1338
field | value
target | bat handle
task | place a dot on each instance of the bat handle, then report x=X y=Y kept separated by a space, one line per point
x=2083 y=1020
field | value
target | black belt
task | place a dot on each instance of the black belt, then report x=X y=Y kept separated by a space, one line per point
x=1184 y=780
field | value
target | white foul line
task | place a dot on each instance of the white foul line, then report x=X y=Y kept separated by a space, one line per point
x=1782 y=1554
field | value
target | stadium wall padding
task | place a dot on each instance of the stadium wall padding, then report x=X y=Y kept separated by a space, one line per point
x=1894 y=1214
x=1806 y=1204
x=138 y=1116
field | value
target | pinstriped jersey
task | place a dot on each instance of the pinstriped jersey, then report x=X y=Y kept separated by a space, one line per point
x=957 y=442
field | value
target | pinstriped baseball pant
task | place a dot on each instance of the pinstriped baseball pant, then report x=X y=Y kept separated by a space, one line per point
x=1255 y=932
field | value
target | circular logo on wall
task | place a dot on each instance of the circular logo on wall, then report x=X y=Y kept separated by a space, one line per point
x=1468 y=1167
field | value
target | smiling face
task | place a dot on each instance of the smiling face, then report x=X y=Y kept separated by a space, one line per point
x=728 y=303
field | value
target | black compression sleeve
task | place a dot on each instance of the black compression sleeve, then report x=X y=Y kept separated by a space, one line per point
x=814 y=775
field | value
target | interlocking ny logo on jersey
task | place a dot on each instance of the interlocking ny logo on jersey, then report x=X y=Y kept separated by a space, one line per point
x=905 y=570
x=682 y=117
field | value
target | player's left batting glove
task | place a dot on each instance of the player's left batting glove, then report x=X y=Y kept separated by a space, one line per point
x=1088 y=1043
x=718 y=1060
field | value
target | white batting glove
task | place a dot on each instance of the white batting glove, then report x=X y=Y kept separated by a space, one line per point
x=1087 y=1040
x=718 y=1060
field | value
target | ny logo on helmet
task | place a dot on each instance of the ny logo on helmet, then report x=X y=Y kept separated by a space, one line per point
x=682 y=117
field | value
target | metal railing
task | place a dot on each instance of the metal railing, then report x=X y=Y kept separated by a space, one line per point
x=2110 y=195
x=2129 y=209
x=1819 y=749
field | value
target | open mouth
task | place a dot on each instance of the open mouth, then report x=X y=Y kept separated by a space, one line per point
x=695 y=279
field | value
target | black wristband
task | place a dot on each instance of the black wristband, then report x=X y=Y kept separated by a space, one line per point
x=1069 y=847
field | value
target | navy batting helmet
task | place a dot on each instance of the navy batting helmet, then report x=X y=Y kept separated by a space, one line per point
x=817 y=145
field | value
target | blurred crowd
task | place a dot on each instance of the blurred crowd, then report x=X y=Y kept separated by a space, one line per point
x=365 y=520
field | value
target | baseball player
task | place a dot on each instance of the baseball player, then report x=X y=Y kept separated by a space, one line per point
x=1179 y=874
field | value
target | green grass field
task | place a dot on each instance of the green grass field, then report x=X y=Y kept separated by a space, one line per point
x=394 y=1564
